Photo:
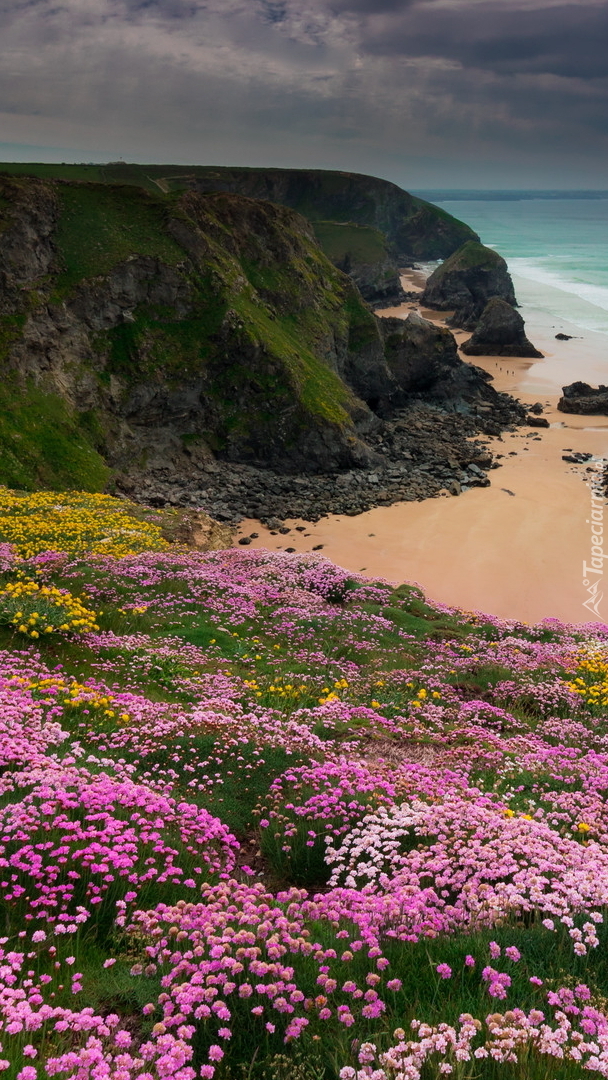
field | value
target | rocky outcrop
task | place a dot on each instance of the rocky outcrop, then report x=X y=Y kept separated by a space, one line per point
x=465 y=283
x=196 y=529
x=579 y=397
x=499 y=332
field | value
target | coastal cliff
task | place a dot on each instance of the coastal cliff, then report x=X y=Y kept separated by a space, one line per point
x=157 y=335
x=367 y=226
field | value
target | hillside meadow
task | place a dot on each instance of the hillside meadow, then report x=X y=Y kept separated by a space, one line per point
x=265 y=819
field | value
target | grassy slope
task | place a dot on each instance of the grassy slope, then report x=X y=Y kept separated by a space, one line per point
x=468 y=256
x=361 y=243
x=101 y=226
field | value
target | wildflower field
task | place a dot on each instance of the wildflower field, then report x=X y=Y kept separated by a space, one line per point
x=262 y=818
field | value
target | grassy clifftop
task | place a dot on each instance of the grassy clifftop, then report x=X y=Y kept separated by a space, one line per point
x=415 y=228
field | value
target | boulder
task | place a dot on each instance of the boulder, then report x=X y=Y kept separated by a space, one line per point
x=579 y=397
x=499 y=332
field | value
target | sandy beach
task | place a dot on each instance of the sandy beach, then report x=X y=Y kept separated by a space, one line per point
x=517 y=548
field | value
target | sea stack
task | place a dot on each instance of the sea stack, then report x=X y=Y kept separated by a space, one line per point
x=500 y=332
x=466 y=281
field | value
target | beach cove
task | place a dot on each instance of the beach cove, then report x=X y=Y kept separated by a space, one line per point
x=518 y=548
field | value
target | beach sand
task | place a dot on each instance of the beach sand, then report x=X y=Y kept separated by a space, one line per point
x=515 y=549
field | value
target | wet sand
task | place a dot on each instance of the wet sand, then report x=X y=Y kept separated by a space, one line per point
x=516 y=549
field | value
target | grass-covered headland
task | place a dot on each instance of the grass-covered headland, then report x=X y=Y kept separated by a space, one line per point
x=263 y=818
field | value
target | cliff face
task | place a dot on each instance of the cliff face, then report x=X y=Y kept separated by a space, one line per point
x=467 y=281
x=414 y=228
x=141 y=331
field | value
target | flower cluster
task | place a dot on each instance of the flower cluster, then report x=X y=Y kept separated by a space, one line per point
x=34 y=609
x=73 y=522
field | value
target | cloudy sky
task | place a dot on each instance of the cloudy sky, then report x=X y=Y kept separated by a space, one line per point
x=428 y=93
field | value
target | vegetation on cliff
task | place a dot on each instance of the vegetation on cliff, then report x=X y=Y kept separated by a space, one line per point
x=170 y=326
x=123 y=304
x=263 y=818
x=416 y=229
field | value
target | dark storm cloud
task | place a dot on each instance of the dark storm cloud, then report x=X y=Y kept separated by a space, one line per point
x=564 y=40
x=368 y=7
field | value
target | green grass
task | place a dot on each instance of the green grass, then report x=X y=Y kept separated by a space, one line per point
x=44 y=444
x=358 y=243
x=100 y=226
x=471 y=254
x=51 y=171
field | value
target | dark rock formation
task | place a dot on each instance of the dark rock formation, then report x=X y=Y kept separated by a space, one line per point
x=579 y=397
x=563 y=337
x=537 y=421
x=499 y=332
x=466 y=281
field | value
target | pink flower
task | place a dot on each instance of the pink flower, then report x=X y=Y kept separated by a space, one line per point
x=215 y=1052
x=444 y=971
x=469 y=960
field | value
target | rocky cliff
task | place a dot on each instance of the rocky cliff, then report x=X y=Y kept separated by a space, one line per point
x=145 y=332
x=466 y=281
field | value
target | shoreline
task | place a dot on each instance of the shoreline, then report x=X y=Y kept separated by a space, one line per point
x=515 y=549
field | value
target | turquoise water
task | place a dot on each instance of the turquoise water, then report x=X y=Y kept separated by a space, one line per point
x=556 y=248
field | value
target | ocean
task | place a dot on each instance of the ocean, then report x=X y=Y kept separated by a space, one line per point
x=556 y=245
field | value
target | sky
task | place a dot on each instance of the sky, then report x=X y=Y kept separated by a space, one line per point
x=427 y=93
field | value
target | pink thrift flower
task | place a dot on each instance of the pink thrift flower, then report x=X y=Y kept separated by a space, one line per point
x=215 y=1053
x=444 y=971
